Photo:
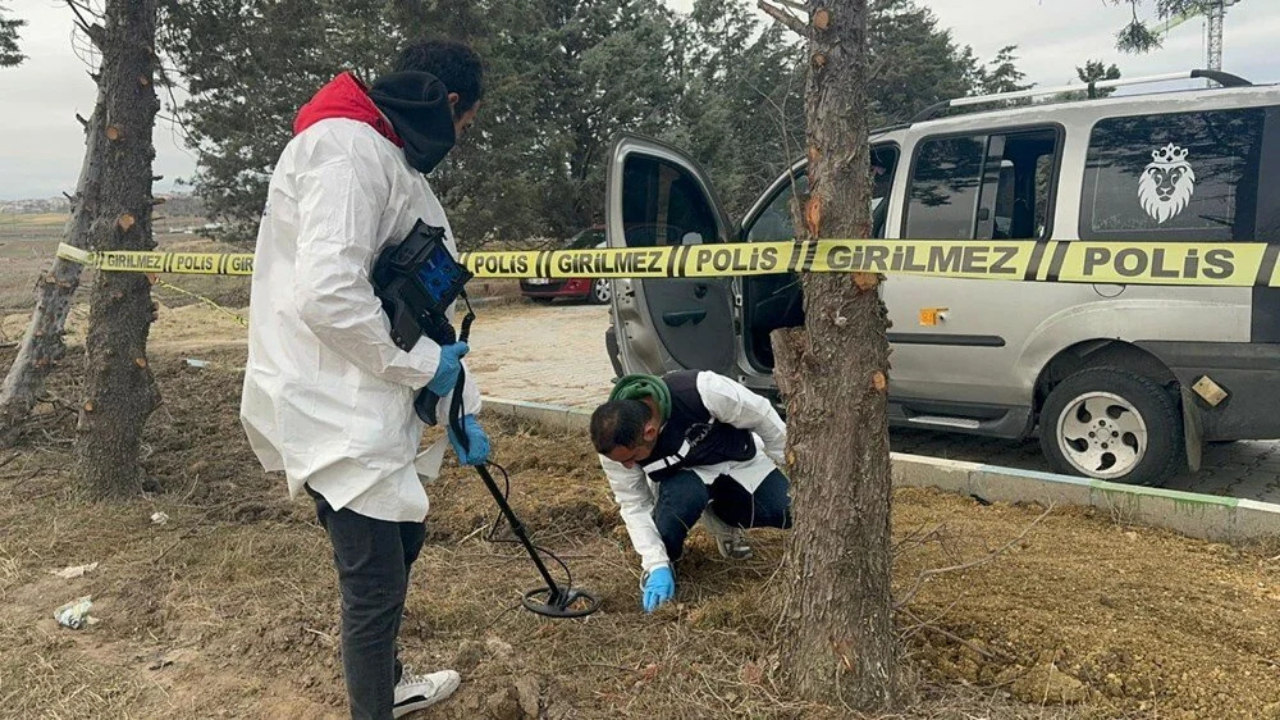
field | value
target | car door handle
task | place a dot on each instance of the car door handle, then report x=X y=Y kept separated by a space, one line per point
x=676 y=319
x=700 y=290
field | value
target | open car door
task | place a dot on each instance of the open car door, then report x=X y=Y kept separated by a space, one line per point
x=656 y=196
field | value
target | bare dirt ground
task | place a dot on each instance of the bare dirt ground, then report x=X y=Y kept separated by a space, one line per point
x=230 y=608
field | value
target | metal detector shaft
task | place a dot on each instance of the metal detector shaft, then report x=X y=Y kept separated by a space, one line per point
x=557 y=596
x=560 y=602
x=455 y=421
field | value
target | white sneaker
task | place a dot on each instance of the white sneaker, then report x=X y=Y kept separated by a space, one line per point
x=731 y=541
x=419 y=692
x=734 y=545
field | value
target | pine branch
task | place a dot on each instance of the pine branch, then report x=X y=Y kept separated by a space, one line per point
x=924 y=576
x=793 y=23
x=93 y=31
x=177 y=120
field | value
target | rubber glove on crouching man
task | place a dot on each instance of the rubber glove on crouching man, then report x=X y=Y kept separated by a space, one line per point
x=328 y=396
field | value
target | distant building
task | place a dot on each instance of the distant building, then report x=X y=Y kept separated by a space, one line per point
x=176 y=204
x=35 y=206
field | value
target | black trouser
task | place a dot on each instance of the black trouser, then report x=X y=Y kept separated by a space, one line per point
x=373 y=558
x=683 y=496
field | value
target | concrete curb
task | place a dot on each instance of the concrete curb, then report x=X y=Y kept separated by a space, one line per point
x=556 y=417
x=1210 y=517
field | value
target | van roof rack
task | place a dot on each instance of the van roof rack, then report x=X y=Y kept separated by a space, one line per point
x=1222 y=78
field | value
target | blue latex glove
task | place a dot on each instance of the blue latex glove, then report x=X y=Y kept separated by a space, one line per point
x=658 y=588
x=447 y=370
x=478 y=452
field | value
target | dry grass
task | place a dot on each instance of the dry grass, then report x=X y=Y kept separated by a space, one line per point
x=44 y=674
x=30 y=225
x=231 y=608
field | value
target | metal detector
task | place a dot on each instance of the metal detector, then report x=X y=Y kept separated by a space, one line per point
x=558 y=602
x=417 y=280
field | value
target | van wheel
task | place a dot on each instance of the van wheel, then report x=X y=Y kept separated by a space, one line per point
x=1112 y=424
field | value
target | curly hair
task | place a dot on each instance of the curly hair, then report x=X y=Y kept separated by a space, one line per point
x=453 y=62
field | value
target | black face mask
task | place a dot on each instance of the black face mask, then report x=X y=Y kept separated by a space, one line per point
x=417 y=104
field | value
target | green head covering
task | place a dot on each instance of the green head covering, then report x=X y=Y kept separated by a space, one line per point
x=638 y=387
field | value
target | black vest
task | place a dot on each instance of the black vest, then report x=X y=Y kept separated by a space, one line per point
x=691 y=437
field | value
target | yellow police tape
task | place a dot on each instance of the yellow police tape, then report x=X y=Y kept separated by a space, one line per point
x=180 y=263
x=1215 y=264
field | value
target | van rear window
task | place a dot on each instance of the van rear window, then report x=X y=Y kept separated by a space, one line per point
x=1178 y=176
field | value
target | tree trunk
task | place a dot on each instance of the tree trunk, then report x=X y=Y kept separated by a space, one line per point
x=42 y=346
x=838 y=641
x=120 y=390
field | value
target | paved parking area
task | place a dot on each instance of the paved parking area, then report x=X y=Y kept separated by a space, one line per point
x=548 y=354
x=556 y=355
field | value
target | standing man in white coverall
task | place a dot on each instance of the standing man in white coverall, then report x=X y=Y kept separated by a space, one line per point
x=328 y=396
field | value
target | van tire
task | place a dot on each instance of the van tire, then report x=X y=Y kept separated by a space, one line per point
x=1156 y=408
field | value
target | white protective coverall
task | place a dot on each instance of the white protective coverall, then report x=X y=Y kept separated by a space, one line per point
x=328 y=397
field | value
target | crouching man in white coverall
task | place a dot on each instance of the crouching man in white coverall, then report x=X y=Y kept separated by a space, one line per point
x=328 y=396
x=686 y=446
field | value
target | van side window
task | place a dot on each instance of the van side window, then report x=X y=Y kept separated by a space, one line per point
x=665 y=205
x=884 y=164
x=774 y=223
x=1176 y=176
x=1268 y=229
x=984 y=187
x=944 y=190
x=1045 y=167
x=1028 y=161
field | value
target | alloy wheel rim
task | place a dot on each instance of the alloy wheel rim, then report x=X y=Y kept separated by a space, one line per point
x=1102 y=435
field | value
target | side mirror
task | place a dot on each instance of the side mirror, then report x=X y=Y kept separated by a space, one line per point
x=691 y=238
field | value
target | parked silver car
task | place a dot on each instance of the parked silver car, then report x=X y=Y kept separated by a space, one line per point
x=1121 y=382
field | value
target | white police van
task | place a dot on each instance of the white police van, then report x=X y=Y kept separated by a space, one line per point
x=1121 y=382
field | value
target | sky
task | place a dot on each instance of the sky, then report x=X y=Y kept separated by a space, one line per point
x=42 y=146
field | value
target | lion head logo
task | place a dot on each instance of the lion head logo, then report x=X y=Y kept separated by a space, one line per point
x=1167 y=183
